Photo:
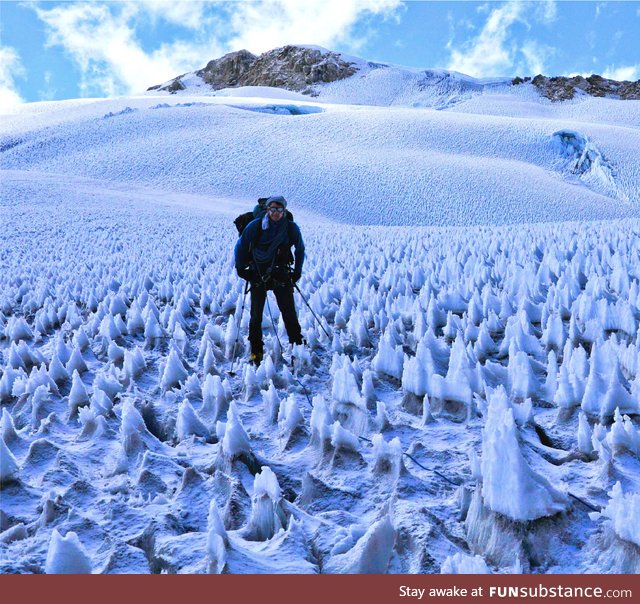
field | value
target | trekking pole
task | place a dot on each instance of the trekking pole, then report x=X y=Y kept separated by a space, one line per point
x=233 y=354
x=312 y=311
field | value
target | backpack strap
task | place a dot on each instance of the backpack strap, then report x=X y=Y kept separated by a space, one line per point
x=256 y=239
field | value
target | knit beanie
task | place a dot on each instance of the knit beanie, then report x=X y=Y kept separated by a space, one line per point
x=277 y=199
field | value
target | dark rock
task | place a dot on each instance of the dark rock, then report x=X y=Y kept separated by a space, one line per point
x=564 y=88
x=290 y=67
x=228 y=70
x=175 y=86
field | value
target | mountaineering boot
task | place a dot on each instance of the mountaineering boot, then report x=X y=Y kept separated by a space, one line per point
x=256 y=358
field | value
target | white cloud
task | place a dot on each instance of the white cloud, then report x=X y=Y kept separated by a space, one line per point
x=491 y=52
x=188 y=14
x=630 y=73
x=10 y=69
x=600 y=6
x=547 y=11
x=535 y=56
x=495 y=51
x=48 y=91
x=261 y=26
x=104 y=46
x=101 y=37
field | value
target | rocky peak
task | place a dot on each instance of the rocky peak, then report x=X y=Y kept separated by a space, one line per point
x=295 y=68
x=228 y=70
x=304 y=68
x=564 y=88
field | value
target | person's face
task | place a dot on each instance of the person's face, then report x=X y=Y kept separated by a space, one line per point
x=276 y=211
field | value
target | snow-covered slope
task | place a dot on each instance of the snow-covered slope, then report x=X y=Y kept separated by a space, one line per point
x=349 y=163
x=388 y=85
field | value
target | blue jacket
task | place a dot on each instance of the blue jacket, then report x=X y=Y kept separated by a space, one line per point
x=244 y=256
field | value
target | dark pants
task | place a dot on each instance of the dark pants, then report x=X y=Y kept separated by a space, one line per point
x=284 y=298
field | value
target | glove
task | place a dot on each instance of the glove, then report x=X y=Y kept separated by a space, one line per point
x=244 y=273
x=295 y=276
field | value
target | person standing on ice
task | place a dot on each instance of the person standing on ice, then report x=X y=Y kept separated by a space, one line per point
x=263 y=257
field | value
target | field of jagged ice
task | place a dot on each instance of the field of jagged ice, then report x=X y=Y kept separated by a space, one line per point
x=473 y=405
x=476 y=385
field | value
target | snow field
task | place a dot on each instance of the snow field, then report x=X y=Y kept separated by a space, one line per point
x=354 y=164
x=505 y=358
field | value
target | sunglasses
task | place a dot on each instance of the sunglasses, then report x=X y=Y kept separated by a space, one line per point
x=278 y=210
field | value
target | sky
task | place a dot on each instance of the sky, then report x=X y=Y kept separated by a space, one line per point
x=61 y=50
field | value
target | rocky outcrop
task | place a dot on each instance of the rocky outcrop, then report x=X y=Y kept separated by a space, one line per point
x=228 y=71
x=294 y=68
x=564 y=88
x=172 y=86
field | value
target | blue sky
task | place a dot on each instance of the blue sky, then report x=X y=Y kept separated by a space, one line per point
x=58 y=50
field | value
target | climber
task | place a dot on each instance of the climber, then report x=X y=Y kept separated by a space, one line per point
x=263 y=257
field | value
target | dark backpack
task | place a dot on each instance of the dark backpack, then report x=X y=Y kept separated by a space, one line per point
x=243 y=220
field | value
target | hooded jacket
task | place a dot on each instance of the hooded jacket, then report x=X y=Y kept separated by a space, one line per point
x=276 y=235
